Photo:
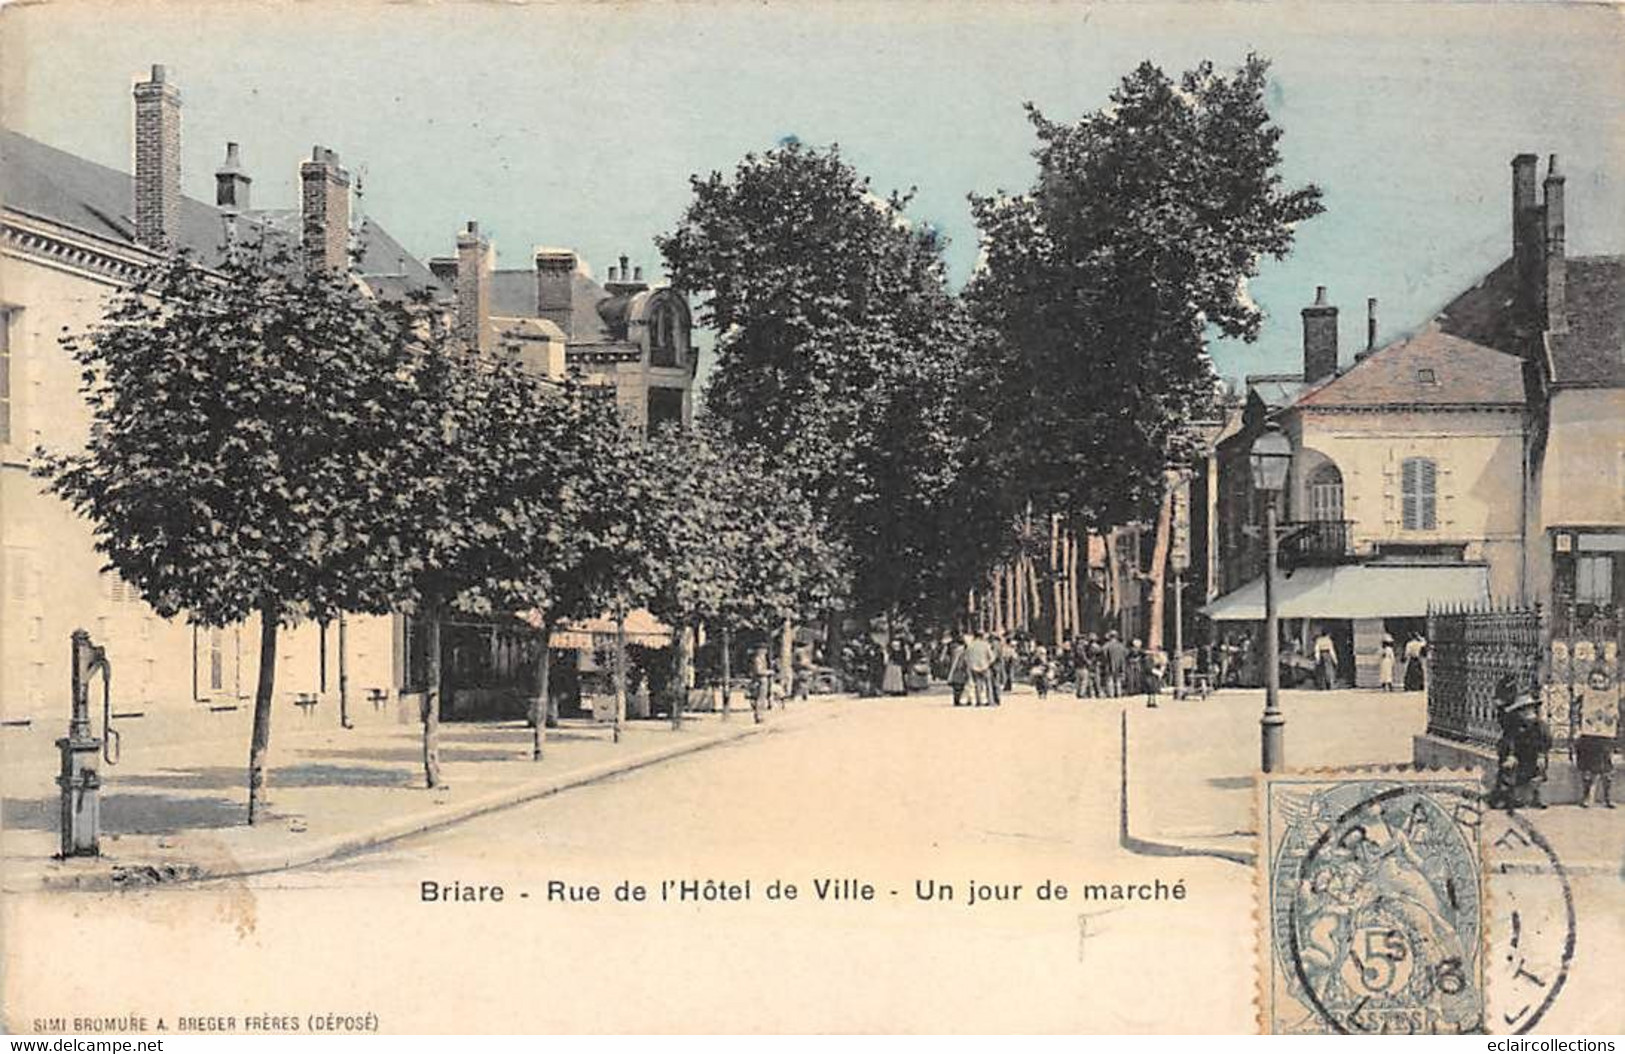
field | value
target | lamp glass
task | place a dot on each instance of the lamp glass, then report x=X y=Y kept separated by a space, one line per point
x=1270 y=457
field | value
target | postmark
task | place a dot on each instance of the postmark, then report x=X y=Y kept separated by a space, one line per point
x=1398 y=901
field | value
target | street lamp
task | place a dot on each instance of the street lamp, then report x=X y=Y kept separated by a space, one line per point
x=1269 y=459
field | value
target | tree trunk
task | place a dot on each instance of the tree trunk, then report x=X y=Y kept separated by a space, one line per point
x=264 y=692
x=727 y=670
x=620 y=673
x=682 y=662
x=344 y=674
x=431 y=708
x=787 y=644
x=540 y=703
x=1159 y=568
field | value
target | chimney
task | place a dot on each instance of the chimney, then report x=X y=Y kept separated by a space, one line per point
x=1319 y=338
x=326 y=206
x=624 y=280
x=231 y=182
x=474 y=289
x=157 y=161
x=1556 y=273
x=555 y=270
x=1370 y=324
x=1526 y=234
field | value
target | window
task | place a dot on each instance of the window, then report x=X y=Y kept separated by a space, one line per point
x=665 y=406
x=1420 y=511
x=5 y=376
x=1426 y=376
x=663 y=332
x=1326 y=494
x=1594 y=579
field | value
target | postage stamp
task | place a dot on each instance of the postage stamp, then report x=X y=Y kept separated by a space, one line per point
x=1372 y=909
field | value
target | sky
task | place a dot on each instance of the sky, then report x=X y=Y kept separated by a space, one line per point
x=579 y=124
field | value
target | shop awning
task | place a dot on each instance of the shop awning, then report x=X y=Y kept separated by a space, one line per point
x=1357 y=591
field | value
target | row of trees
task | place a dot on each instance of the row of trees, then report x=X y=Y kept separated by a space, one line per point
x=273 y=443
x=1064 y=379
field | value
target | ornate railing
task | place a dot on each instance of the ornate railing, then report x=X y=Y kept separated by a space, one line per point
x=1317 y=541
x=1472 y=648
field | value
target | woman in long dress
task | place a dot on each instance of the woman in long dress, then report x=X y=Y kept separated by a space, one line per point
x=891 y=680
x=1415 y=679
x=1385 y=664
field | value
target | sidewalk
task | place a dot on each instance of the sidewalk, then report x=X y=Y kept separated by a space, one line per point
x=1191 y=767
x=179 y=812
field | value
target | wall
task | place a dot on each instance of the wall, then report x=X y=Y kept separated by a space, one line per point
x=50 y=578
x=1479 y=484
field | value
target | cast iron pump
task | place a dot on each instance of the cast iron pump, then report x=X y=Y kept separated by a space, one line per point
x=80 y=780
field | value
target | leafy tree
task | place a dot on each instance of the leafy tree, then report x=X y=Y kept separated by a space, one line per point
x=547 y=525
x=241 y=419
x=839 y=345
x=1100 y=285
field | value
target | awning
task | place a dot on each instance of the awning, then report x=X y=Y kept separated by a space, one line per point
x=1357 y=591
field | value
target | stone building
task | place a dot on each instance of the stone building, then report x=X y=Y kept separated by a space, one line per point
x=71 y=233
x=1481 y=457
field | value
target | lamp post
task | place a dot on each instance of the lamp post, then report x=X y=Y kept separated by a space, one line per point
x=1269 y=459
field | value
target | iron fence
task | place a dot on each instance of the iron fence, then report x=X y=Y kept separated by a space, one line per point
x=1472 y=648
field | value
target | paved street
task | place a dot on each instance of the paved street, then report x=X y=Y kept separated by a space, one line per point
x=890 y=792
x=885 y=792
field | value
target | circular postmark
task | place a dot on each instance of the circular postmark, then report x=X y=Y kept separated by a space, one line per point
x=1384 y=922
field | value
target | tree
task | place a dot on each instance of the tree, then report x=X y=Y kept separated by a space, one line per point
x=839 y=346
x=1101 y=284
x=547 y=466
x=241 y=419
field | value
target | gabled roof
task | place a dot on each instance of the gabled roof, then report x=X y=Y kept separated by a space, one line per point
x=1431 y=368
x=1592 y=353
x=67 y=189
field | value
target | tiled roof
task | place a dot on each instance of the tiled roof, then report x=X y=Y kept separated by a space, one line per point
x=513 y=295
x=1276 y=389
x=1592 y=353
x=64 y=188
x=1432 y=368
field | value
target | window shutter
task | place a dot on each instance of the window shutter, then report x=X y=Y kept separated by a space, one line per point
x=1409 y=490
x=1428 y=501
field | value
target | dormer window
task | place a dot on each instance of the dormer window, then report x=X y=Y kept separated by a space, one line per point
x=665 y=326
x=1426 y=376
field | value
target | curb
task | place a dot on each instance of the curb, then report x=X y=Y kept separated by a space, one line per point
x=138 y=873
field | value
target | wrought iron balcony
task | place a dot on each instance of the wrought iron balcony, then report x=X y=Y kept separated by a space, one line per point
x=1317 y=542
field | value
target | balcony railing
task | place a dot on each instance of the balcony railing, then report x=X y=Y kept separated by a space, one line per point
x=1317 y=542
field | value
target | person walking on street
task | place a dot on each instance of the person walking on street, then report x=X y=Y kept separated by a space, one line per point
x=1385 y=664
x=801 y=668
x=761 y=672
x=1115 y=660
x=1040 y=673
x=959 y=670
x=1134 y=668
x=979 y=661
x=1597 y=729
x=1156 y=665
x=1325 y=653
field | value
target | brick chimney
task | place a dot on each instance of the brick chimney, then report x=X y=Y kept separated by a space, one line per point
x=473 y=289
x=554 y=300
x=157 y=161
x=1556 y=271
x=231 y=182
x=325 y=203
x=1319 y=338
x=1527 y=235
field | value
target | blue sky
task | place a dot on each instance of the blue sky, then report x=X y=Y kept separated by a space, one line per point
x=576 y=124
